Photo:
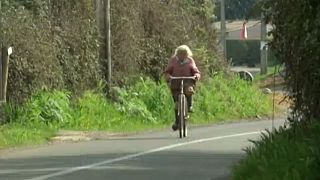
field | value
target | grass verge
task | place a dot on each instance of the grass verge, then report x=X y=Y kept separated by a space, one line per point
x=12 y=135
x=272 y=70
x=284 y=154
x=145 y=105
x=229 y=98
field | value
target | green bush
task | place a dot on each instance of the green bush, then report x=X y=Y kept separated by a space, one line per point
x=228 y=98
x=248 y=53
x=92 y=111
x=146 y=102
x=243 y=52
x=145 y=38
x=50 y=107
x=296 y=44
x=15 y=134
x=55 y=45
x=154 y=98
x=141 y=106
x=291 y=153
x=284 y=154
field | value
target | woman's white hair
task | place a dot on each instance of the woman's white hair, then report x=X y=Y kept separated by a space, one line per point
x=183 y=48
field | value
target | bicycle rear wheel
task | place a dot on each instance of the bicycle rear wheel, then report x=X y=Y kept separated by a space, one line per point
x=185 y=105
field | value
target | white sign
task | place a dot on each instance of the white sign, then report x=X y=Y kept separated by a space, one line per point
x=9 y=51
x=263 y=44
x=269 y=29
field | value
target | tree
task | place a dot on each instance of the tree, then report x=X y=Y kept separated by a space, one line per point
x=57 y=41
x=296 y=43
x=239 y=9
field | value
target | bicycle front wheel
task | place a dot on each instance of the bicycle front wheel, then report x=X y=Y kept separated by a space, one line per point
x=182 y=115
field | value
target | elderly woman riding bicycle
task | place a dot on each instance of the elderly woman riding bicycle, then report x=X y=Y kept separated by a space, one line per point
x=182 y=64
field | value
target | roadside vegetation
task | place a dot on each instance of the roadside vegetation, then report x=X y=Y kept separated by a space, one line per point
x=58 y=71
x=143 y=106
x=292 y=152
x=276 y=70
x=283 y=154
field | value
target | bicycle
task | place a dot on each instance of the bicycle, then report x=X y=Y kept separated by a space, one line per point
x=182 y=105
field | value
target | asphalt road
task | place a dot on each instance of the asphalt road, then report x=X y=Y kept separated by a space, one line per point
x=207 y=154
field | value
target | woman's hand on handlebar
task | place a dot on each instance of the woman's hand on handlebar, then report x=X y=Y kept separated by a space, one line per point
x=197 y=78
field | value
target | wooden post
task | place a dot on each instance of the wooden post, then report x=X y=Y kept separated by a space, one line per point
x=223 y=28
x=101 y=22
x=3 y=54
x=264 y=49
x=5 y=67
x=108 y=43
x=102 y=8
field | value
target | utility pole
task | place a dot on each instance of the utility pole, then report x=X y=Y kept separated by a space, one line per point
x=264 y=47
x=223 y=28
x=108 y=43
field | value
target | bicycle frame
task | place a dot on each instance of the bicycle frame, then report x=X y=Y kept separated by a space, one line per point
x=183 y=107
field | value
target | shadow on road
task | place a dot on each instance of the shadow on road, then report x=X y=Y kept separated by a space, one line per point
x=184 y=164
x=141 y=138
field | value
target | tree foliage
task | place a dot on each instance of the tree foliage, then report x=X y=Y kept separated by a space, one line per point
x=57 y=42
x=146 y=32
x=240 y=9
x=297 y=44
x=55 y=45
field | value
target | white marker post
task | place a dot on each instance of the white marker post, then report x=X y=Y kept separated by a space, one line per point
x=6 y=52
x=10 y=51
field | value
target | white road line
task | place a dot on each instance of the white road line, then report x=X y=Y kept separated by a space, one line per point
x=15 y=171
x=110 y=161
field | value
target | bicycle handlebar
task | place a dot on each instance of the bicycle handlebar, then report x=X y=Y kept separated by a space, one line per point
x=183 y=77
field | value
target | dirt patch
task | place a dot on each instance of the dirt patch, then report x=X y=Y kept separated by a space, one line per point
x=279 y=93
x=271 y=81
x=78 y=136
x=281 y=100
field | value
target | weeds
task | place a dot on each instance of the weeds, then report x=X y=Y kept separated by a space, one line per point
x=282 y=154
x=144 y=105
x=229 y=98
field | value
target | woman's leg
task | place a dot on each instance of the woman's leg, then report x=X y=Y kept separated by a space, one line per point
x=175 y=96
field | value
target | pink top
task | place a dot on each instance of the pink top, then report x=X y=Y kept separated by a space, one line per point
x=186 y=68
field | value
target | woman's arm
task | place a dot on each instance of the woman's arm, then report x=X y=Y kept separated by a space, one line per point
x=194 y=69
x=169 y=69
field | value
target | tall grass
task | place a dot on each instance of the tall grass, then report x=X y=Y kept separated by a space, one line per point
x=20 y=134
x=49 y=107
x=146 y=104
x=284 y=154
x=225 y=98
x=154 y=100
x=93 y=111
